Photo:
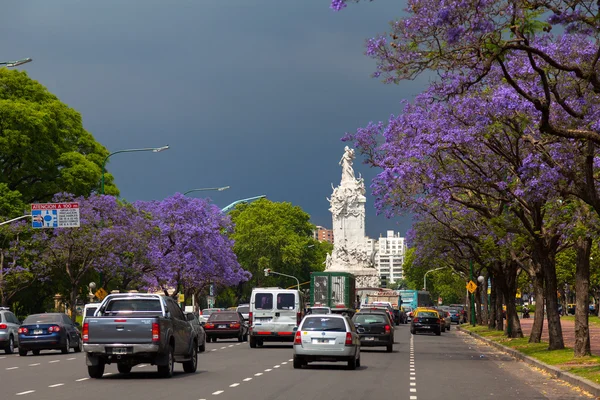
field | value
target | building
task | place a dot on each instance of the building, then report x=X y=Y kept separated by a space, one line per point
x=389 y=255
x=323 y=234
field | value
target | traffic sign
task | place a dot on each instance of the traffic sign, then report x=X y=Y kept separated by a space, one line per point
x=55 y=215
x=181 y=298
x=471 y=287
x=101 y=294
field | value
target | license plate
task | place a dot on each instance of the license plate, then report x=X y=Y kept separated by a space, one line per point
x=369 y=338
x=425 y=327
x=222 y=326
x=119 y=350
x=37 y=332
x=264 y=319
x=322 y=340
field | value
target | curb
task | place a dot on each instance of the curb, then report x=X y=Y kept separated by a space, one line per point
x=555 y=372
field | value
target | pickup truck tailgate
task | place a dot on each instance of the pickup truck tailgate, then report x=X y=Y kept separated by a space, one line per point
x=110 y=330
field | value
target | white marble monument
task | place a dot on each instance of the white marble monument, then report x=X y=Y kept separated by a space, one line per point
x=348 y=213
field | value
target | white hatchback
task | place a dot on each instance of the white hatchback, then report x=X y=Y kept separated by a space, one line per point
x=329 y=337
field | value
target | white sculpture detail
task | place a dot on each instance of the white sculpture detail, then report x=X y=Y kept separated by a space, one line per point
x=347 y=206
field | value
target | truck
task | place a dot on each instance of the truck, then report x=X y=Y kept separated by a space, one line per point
x=336 y=290
x=385 y=296
x=135 y=328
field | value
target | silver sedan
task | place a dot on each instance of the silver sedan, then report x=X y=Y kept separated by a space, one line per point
x=328 y=337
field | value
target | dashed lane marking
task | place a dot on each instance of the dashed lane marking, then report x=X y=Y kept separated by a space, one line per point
x=258 y=374
x=3 y=357
x=231 y=345
x=72 y=358
x=9 y=368
x=107 y=373
x=218 y=392
x=268 y=370
x=56 y=385
x=291 y=359
x=53 y=361
x=224 y=347
x=283 y=363
x=34 y=365
x=247 y=379
x=276 y=366
x=81 y=379
x=214 y=349
x=26 y=392
x=234 y=384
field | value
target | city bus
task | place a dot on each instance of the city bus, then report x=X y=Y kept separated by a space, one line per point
x=416 y=298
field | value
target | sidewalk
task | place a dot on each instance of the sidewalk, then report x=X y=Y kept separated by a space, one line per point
x=568 y=330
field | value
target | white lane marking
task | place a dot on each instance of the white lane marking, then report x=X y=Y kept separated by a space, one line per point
x=234 y=384
x=218 y=392
x=291 y=359
x=238 y=344
x=53 y=361
x=412 y=373
x=27 y=392
x=34 y=365
x=231 y=345
x=72 y=358
x=56 y=385
x=266 y=370
x=413 y=397
x=3 y=357
x=9 y=368
x=283 y=363
x=413 y=390
x=258 y=374
x=412 y=378
x=224 y=347
x=81 y=379
x=107 y=373
x=413 y=384
x=247 y=379
x=276 y=366
x=214 y=349
x=142 y=365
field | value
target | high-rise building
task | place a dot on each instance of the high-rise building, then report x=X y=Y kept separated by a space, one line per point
x=323 y=234
x=390 y=251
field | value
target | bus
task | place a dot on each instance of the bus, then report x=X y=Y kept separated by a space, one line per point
x=415 y=298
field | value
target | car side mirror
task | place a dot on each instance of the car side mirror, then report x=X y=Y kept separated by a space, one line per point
x=77 y=324
x=202 y=323
x=295 y=329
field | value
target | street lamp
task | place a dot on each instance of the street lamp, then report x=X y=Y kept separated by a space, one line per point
x=152 y=149
x=235 y=203
x=15 y=219
x=269 y=271
x=16 y=63
x=425 y=276
x=220 y=189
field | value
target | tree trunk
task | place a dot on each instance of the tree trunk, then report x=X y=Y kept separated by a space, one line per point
x=492 y=317
x=507 y=283
x=485 y=314
x=582 y=287
x=478 y=309
x=550 y=293
x=499 y=301
x=538 y=318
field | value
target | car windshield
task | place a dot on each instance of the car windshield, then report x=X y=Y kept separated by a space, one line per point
x=324 y=324
x=427 y=314
x=43 y=319
x=244 y=309
x=319 y=310
x=365 y=319
x=208 y=311
x=223 y=317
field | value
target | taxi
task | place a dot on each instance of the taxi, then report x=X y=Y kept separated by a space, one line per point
x=426 y=319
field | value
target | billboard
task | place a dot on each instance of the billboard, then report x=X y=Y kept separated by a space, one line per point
x=55 y=215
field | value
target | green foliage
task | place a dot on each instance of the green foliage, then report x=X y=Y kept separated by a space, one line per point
x=276 y=236
x=44 y=148
x=11 y=204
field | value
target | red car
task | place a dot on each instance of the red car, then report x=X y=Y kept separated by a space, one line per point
x=226 y=325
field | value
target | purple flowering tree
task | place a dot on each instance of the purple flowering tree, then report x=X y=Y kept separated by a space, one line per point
x=191 y=248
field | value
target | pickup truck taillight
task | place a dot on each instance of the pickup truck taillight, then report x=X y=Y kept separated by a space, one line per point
x=155 y=332
x=415 y=319
x=388 y=329
x=86 y=332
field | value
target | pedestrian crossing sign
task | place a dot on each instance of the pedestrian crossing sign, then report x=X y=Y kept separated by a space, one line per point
x=471 y=287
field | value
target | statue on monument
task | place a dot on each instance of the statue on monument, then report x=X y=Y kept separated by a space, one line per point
x=346 y=163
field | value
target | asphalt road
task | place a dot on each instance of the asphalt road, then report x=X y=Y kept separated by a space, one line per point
x=450 y=366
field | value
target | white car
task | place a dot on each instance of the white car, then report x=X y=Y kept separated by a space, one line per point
x=326 y=338
x=244 y=309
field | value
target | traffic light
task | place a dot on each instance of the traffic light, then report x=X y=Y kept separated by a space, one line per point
x=267 y=271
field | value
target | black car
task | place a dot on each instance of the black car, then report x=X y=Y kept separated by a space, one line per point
x=198 y=329
x=50 y=331
x=426 y=320
x=226 y=325
x=374 y=329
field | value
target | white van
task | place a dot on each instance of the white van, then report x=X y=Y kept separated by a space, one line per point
x=274 y=313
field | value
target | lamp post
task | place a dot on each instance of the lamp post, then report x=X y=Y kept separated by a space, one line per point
x=235 y=203
x=220 y=189
x=152 y=149
x=11 y=64
x=15 y=219
x=425 y=276
x=269 y=271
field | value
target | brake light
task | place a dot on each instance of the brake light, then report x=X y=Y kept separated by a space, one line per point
x=415 y=319
x=348 y=339
x=250 y=319
x=3 y=326
x=23 y=330
x=439 y=321
x=120 y=320
x=235 y=325
x=298 y=318
x=297 y=338
x=155 y=332
x=54 y=328
x=209 y=326
x=387 y=329
x=86 y=332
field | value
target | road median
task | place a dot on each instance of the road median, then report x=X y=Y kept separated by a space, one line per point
x=581 y=372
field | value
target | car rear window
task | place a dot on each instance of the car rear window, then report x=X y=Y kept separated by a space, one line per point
x=370 y=319
x=427 y=314
x=90 y=311
x=244 y=310
x=223 y=317
x=263 y=301
x=324 y=324
x=321 y=310
x=133 y=306
x=43 y=319
x=286 y=301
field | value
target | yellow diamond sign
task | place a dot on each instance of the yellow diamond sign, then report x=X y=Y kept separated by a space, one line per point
x=471 y=287
x=101 y=294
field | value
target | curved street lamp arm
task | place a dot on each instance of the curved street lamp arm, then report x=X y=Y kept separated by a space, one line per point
x=220 y=189
x=16 y=63
x=286 y=275
x=425 y=276
x=235 y=203
x=15 y=219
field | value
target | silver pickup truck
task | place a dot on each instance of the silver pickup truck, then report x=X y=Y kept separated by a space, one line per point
x=135 y=328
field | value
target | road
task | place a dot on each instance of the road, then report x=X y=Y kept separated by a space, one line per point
x=450 y=366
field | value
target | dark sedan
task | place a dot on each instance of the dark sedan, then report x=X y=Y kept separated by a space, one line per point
x=198 y=330
x=426 y=320
x=226 y=325
x=51 y=331
x=374 y=329
x=455 y=315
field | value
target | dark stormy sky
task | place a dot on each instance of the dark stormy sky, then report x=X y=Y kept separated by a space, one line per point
x=254 y=94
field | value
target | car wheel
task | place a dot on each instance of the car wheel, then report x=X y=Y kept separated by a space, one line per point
x=166 y=371
x=202 y=347
x=438 y=332
x=191 y=365
x=358 y=361
x=389 y=348
x=96 y=371
x=65 y=349
x=297 y=363
x=11 y=345
x=252 y=342
x=259 y=342
x=22 y=352
x=124 y=368
x=352 y=363
x=36 y=352
x=246 y=337
x=79 y=346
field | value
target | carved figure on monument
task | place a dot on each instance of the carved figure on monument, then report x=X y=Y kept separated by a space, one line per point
x=346 y=163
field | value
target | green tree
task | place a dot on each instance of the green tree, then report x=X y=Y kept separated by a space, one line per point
x=276 y=236
x=44 y=148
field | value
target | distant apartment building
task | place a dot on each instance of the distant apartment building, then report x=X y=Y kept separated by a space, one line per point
x=323 y=234
x=390 y=251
